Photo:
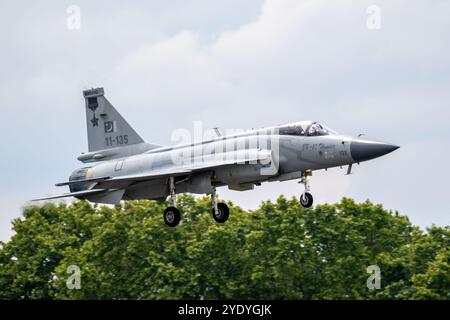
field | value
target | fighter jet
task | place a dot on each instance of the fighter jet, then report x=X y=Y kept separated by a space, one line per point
x=124 y=167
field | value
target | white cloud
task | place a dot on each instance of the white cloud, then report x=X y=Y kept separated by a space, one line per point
x=298 y=59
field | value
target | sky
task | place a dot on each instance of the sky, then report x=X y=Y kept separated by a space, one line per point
x=381 y=68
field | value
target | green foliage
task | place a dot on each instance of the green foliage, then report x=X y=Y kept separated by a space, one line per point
x=279 y=251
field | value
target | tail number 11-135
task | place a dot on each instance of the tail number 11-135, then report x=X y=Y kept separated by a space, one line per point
x=116 y=141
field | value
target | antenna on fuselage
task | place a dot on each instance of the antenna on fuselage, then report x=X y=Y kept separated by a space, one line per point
x=218 y=132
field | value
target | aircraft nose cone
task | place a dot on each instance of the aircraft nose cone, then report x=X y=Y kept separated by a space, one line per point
x=362 y=150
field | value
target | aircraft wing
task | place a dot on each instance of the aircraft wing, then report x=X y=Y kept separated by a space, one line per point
x=208 y=162
x=73 y=194
x=196 y=164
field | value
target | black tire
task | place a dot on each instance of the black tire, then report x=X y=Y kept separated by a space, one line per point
x=223 y=213
x=306 y=200
x=172 y=216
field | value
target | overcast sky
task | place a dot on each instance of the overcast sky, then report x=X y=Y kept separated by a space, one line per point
x=232 y=64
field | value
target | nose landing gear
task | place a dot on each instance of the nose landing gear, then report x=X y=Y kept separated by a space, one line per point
x=306 y=199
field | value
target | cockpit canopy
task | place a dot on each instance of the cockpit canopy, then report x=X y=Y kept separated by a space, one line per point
x=305 y=129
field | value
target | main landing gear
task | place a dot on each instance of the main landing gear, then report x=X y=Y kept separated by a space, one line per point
x=306 y=199
x=172 y=216
x=220 y=211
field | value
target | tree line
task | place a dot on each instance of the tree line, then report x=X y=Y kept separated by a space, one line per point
x=278 y=251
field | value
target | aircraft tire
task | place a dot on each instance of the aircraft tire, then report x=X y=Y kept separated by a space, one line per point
x=172 y=216
x=306 y=200
x=223 y=213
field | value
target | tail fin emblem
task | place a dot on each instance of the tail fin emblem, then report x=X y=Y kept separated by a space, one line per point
x=93 y=105
x=109 y=126
x=94 y=121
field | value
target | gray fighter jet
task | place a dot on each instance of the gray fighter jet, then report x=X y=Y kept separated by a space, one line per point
x=127 y=168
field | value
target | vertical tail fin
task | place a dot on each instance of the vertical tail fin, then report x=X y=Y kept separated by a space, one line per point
x=106 y=128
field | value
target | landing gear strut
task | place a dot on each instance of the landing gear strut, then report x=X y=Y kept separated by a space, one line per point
x=172 y=214
x=306 y=199
x=220 y=211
